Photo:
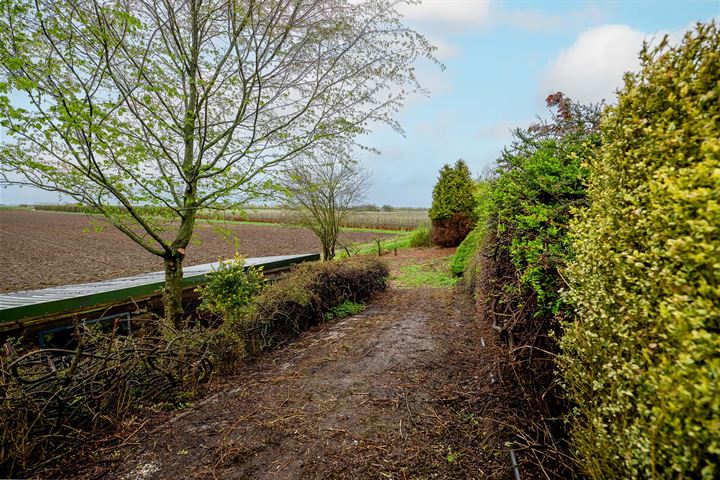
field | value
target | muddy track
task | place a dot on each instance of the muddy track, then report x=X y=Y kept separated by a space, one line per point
x=394 y=392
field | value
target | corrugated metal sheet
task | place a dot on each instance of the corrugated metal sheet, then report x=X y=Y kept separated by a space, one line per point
x=17 y=306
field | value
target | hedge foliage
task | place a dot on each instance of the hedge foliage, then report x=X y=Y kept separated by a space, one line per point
x=56 y=402
x=641 y=362
x=525 y=246
x=301 y=299
x=466 y=250
x=231 y=286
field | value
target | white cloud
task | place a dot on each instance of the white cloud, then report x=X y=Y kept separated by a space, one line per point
x=538 y=21
x=446 y=13
x=445 y=50
x=592 y=68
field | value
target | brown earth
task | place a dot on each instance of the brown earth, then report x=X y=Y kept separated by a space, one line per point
x=406 y=389
x=42 y=249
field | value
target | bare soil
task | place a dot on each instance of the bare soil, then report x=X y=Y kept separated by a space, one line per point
x=406 y=389
x=41 y=249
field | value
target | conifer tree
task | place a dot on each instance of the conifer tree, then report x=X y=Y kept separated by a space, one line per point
x=453 y=203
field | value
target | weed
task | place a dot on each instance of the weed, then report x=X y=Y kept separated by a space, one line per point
x=452 y=456
x=420 y=237
x=345 y=309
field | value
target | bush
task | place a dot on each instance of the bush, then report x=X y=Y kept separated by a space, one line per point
x=231 y=286
x=641 y=362
x=54 y=402
x=466 y=251
x=420 y=237
x=302 y=299
x=516 y=271
x=453 y=204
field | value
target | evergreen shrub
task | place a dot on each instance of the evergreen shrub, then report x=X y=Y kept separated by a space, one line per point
x=451 y=213
x=641 y=363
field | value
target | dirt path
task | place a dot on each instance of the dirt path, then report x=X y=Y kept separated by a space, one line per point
x=397 y=391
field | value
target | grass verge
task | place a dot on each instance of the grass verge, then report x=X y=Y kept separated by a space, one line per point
x=433 y=274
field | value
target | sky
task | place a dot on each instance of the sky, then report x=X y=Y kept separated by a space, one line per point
x=502 y=59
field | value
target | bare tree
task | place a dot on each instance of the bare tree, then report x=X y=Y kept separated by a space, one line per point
x=322 y=191
x=185 y=104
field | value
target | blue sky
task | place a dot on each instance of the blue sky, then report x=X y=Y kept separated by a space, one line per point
x=502 y=59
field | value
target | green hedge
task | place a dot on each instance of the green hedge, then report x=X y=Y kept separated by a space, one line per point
x=301 y=299
x=642 y=361
x=466 y=250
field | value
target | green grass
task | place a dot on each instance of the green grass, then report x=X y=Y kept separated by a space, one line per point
x=291 y=225
x=345 y=309
x=398 y=243
x=433 y=274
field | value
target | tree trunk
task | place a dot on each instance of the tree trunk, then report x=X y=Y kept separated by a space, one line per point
x=172 y=294
x=328 y=252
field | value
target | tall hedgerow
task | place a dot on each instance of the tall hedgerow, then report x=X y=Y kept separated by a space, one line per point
x=466 y=250
x=641 y=363
x=452 y=207
x=517 y=270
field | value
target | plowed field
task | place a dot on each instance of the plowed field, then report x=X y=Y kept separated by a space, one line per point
x=44 y=249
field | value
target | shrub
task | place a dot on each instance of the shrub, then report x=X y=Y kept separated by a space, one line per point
x=466 y=251
x=54 y=402
x=452 y=207
x=302 y=299
x=420 y=237
x=525 y=246
x=231 y=286
x=641 y=362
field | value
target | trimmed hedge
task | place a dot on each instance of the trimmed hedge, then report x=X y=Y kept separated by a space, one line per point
x=642 y=361
x=462 y=260
x=302 y=299
x=521 y=249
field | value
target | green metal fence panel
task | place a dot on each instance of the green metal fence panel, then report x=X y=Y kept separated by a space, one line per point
x=18 y=306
